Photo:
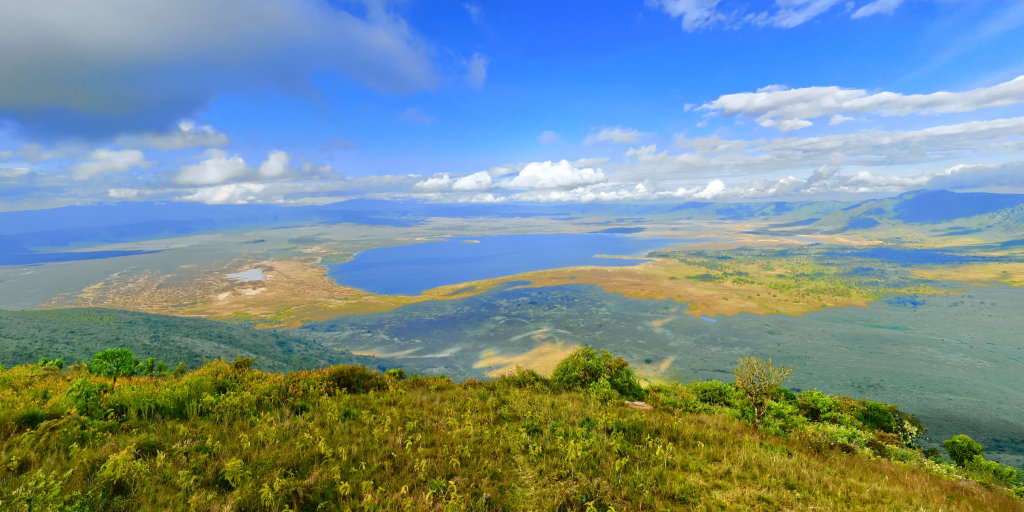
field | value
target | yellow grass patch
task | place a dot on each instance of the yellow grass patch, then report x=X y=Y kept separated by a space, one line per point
x=1009 y=273
x=543 y=358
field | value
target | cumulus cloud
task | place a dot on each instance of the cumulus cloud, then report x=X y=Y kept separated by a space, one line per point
x=561 y=174
x=217 y=168
x=476 y=70
x=616 y=134
x=476 y=181
x=103 y=161
x=235 y=193
x=275 y=166
x=548 y=137
x=188 y=135
x=791 y=109
x=110 y=66
x=871 y=148
x=714 y=188
x=434 y=183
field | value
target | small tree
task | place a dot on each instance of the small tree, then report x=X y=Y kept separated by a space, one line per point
x=586 y=368
x=962 y=449
x=760 y=380
x=114 y=363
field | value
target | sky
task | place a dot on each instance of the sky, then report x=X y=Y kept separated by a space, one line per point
x=316 y=101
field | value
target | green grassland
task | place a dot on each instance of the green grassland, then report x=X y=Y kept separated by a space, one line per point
x=230 y=437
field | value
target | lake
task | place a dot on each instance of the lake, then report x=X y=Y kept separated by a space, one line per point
x=411 y=269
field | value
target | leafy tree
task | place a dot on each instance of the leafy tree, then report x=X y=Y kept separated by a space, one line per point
x=114 y=363
x=585 y=368
x=760 y=380
x=962 y=449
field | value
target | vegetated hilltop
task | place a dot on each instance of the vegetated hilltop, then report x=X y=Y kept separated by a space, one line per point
x=77 y=333
x=229 y=437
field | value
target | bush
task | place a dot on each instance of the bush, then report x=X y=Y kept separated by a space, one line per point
x=714 y=392
x=586 y=367
x=991 y=472
x=84 y=396
x=523 y=378
x=878 y=416
x=355 y=379
x=815 y=405
x=674 y=397
x=962 y=449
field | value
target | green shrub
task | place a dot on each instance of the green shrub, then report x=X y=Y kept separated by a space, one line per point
x=714 y=392
x=878 y=416
x=674 y=397
x=523 y=378
x=396 y=373
x=962 y=449
x=355 y=379
x=782 y=418
x=84 y=396
x=586 y=367
x=991 y=472
x=815 y=405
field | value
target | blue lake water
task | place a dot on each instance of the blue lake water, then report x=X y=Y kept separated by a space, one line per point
x=411 y=269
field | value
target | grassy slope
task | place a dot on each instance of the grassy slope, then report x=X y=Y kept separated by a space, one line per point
x=76 y=334
x=223 y=438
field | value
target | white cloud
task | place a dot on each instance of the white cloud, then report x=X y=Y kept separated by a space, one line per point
x=103 y=161
x=476 y=70
x=703 y=14
x=14 y=172
x=188 y=135
x=475 y=13
x=416 y=115
x=434 y=183
x=588 y=193
x=792 y=13
x=695 y=14
x=876 y=7
x=135 y=64
x=790 y=109
x=617 y=134
x=871 y=148
x=235 y=193
x=275 y=166
x=548 y=137
x=562 y=174
x=714 y=188
x=123 y=193
x=217 y=168
x=476 y=181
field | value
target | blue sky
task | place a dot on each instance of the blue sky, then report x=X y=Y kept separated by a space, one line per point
x=309 y=101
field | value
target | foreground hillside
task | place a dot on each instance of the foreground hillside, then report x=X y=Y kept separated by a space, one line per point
x=229 y=437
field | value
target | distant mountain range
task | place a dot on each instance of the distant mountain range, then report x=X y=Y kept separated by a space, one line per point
x=60 y=234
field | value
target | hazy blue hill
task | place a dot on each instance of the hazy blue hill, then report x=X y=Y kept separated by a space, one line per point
x=36 y=236
x=932 y=207
x=76 y=334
